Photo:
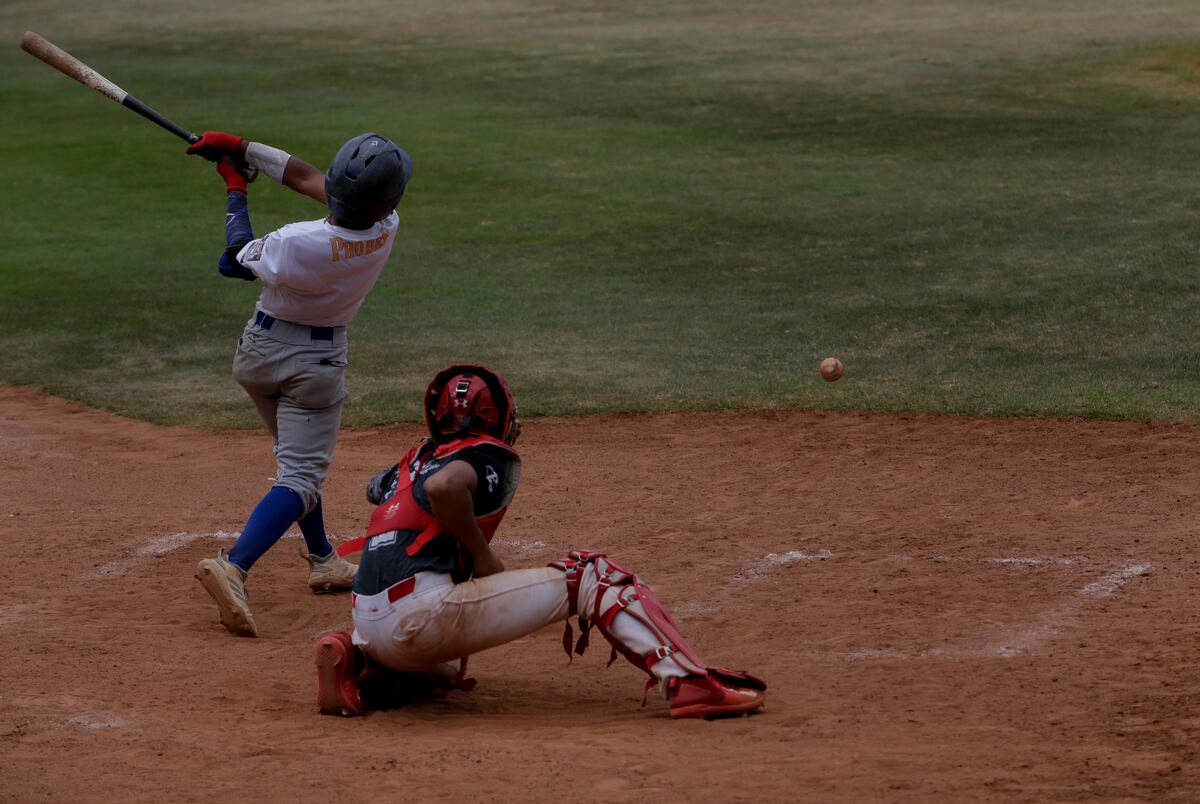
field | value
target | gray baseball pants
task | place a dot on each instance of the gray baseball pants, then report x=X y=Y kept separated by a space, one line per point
x=295 y=375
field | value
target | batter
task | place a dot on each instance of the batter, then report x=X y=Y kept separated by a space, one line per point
x=292 y=355
x=430 y=591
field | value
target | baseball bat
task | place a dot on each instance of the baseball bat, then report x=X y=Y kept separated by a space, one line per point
x=68 y=65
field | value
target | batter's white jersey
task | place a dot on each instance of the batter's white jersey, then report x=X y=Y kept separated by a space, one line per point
x=316 y=273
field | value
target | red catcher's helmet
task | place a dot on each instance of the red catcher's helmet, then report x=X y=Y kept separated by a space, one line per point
x=467 y=400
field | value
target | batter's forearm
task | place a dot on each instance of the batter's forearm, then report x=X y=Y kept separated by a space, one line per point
x=238 y=233
x=288 y=170
x=305 y=179
x=237 y=220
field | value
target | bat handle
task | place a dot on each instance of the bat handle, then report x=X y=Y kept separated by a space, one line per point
x=135 y=105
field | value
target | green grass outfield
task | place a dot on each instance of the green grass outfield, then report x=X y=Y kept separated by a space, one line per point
x=981 y=207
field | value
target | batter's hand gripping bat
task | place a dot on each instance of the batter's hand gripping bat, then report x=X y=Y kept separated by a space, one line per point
x=68 y=65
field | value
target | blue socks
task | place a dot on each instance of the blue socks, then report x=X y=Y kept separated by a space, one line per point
x=270 y=519
x=313 y=528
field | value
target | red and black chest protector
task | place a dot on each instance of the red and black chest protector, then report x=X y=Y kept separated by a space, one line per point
x=402 y=511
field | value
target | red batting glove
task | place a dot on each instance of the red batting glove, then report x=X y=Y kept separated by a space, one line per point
x=235 y=179
x=212 y=145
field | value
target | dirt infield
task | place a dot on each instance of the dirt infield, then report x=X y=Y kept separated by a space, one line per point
x=945 y=609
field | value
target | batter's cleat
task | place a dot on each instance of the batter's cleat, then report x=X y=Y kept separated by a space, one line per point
x=226 y=583
x=338 y=666
x=329 y=574
x=712 y=697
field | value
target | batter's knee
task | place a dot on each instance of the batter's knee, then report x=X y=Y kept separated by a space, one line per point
x=304 y=488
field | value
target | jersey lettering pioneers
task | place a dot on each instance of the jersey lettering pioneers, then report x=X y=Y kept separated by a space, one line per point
x=356 y=248
x=296 y=265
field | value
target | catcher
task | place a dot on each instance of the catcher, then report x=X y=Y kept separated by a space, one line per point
x=429 y=591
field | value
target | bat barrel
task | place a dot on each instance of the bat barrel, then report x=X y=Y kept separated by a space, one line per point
x=68 y=65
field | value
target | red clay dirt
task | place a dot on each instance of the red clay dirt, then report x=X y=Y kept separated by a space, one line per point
x=945 y=609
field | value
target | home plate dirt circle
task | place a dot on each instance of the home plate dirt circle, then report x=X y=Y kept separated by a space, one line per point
x=994 y=608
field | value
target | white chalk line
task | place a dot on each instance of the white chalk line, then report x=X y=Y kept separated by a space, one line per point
x=94 y=721
x=521 y=547
x=689 y=609
x=1021 y=641
x=1109 y=584
x=14 y=612
x=764 y=565
x=158 y=546
x=771 y=561
x=1003 y=561
x=1037 y=561
x=168 y=542
x=1052 y=624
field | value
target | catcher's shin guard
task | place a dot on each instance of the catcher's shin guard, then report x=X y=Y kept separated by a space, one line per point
x=648 y=639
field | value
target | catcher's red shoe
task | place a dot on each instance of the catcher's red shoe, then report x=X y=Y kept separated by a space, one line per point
x=338 y=666
x=721 y=693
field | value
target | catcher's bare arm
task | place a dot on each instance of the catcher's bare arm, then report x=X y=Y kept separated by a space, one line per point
x=452 y=495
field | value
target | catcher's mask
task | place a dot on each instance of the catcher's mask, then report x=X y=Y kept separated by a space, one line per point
x=467 y=400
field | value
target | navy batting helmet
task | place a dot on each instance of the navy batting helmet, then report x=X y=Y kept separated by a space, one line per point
x=467 y=400
x=366 y=180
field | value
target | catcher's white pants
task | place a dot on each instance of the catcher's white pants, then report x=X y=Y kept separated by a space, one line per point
x=441 y=622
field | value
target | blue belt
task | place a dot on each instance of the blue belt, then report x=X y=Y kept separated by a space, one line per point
x=265 y=321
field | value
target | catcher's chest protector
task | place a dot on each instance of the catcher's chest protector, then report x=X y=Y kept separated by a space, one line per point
x=403 y=512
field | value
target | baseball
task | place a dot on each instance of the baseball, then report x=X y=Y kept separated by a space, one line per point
x=831 y=369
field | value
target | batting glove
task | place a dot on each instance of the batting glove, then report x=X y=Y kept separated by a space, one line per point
x=212 y=145
x=235 y=179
